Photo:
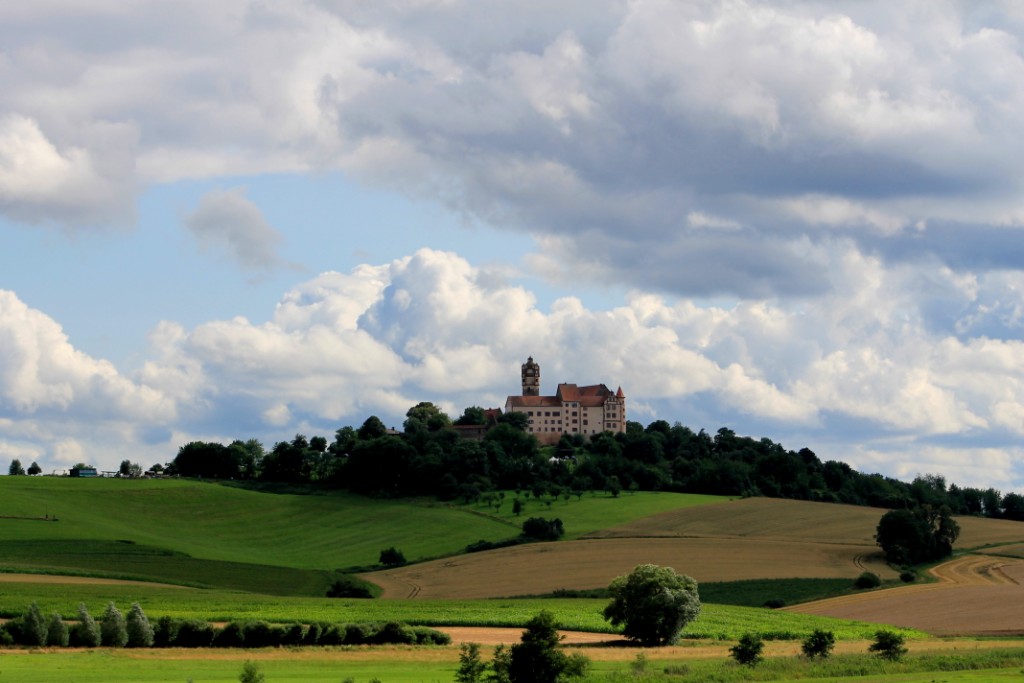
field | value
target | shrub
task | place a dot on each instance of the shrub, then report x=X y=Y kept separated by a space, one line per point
x=87 y=632
x=748 y=650
x=231 y=635
x=653 y=604
x=312 y=635
x=775 y=603
x=5 y=637
x=261 y=634
x=908 y=576
x=391 y=557
x=251 y=673
x=543 y=529
x=293 y=635
x=471 y=667
x=888 y=645
x=113 y=629
x=33 y=627
x=429 y=636
x=394 y=633
x=166 y=632
x=818 y=644
x=193 y=633
x=57 y=631
x=349 y=587
x=867 y=580
x=140 y=631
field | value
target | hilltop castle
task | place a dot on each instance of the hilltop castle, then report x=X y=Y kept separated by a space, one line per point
x=572 y=410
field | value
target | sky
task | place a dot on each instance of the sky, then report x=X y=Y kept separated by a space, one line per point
x=255 y=218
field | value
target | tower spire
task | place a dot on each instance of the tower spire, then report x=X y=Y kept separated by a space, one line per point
x=531 y=378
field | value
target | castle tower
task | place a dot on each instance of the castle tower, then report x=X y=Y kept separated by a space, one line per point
x=531 y=378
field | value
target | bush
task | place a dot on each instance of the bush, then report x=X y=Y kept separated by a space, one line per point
x=251 y=673
x=140 y=631
x=57 y=631
x=33 y=627
x=471 y=667
x=391 y=557
x=165 y=631
x=429 y=636
x=888 y=645
x=293 y=635
x=748 y=650
x=818 y=644
x=87 y=632
x=867 y=580
x=908 y=576
x=653 y=604
x=350 y=587
x=543 y=529
x=231 y=635
x=113 y=629
x=193 y=633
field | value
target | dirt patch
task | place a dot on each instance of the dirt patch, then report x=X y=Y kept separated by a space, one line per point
x=973 y=595
x=76 y=580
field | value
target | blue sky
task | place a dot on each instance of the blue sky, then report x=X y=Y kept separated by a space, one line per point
x=801 y=220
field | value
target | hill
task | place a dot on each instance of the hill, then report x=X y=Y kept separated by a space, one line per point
x=754 y=538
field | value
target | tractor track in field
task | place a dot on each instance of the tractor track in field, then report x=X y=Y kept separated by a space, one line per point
x=971 y=594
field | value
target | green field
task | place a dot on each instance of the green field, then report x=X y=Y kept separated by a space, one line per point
x=405 y=665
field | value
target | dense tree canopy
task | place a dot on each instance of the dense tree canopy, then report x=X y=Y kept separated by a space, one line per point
x=429 y=457
x=922 y=534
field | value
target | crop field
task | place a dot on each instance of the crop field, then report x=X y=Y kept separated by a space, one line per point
x=543 y=568
x=773 y=518
x=593 y=512
x=976 y=594
x=215 y=522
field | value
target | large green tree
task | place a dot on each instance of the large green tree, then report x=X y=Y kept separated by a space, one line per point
x=652 y=604
x=921 y=534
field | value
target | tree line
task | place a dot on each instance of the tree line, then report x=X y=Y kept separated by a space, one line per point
x=429 y=456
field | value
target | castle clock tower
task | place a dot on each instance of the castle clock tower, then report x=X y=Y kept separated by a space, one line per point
x=531 y=378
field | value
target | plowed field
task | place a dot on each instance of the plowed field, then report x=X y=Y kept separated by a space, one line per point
x=545 y=567
x=974 y=594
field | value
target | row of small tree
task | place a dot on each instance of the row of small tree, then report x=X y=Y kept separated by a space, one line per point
x=113 y=629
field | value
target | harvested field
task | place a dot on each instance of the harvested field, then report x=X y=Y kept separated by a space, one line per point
x=974 y=595
x=76 y=580
x=773 y=518
x=1013 y=550
x=545 y=567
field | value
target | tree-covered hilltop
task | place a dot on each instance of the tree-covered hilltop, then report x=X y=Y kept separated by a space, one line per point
x=433 y=456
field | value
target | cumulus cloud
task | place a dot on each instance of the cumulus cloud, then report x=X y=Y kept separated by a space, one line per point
x=227 y=221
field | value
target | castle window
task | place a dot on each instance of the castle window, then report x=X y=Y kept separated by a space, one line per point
x=586 y=422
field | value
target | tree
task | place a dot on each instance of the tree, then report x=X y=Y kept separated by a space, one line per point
x=140 y=631
x=372 y=428
x=113 y=629
x=888 y=645
x=16 y=470
x=87 y=631
x=748 y=650
x=34 y=469
x=818 y=644
x=543 y=529
x=471 y=667
x=56 y=631
x=538 y=657
x=473 y=415
x=33 y=626
x=921 y=534
x=653 y=604
x=391 y=557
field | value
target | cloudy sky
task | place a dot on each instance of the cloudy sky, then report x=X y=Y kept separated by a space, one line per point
x=256 y=218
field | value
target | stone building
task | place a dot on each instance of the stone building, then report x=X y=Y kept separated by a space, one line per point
x=573 y=409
